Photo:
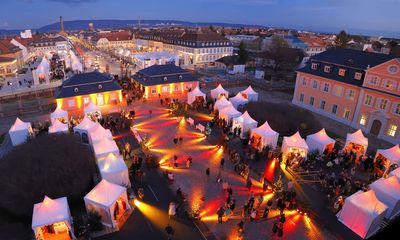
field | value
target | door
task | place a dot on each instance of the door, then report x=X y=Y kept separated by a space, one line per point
x=100 y=99
x=375 y=127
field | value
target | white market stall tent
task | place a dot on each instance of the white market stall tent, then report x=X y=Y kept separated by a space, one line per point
x=294 y=144
x=221 y=103
x=387 y=190
x=58 y=127
x=264 y=135
x=83 y=128
x=196 y=96
x=42 y=72
x=363 y=213
x=218 y=92
x=228 y=113
x=113 y=169
x=98 y=132
x=389 y=156
x=59 y=114
x=54 y=214
x=245 y=123
x=250 y=94
x=92 y=110
x=356 y=142
x=238 y=100
x=20 y=132
x=105 y=146
x=109 y=200
x=320 y=141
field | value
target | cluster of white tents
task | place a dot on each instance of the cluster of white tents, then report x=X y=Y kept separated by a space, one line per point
x=196 y=95
x=73 y=62
x=249 y=94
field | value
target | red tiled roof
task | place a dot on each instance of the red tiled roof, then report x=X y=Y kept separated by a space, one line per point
x=7 y=47
x=313 y=41
x=117 y=36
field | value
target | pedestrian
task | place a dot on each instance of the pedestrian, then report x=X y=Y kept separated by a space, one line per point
x=208 y=173
x=239 y=131
x=188 y=163
x=180 y=140
x=225 y=186
x=171 y=210
x=251 y=204
x=222 y=163
x=175 y=140
x=161 y=101
x=248 y=183
x=290 y=185
x=175 y=161
x=220 y=214
x=150 y=112
x=253 y=215
x=266 y=212
x=230 y=191
x=170 y=231
x=260 y=199
x=219 y=179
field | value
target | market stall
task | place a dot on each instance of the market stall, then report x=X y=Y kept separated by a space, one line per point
x=228 y=113
x=60 y=115
x=250 y=94
x=52 y=219
x=320 y=141
x=83 y=128
x=363 y=213
x=58 y=127
x=263 y=136
x=387 y=190
x=395 y=172
x=98 y=132
x=92 y=111
x=218 y=92
x=356 y=142
x=105 y=146
x=20 y=132
x=196 y=96
x=245 y=123
x=238 y=101
x=388 y=159
x=113 y=169
x=42 y=72
x=109 y=200
x=294 y=148
x=221 y=103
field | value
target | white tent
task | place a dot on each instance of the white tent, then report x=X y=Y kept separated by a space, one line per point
x=320 y=141
x=391 y=154
x=98 y=132
x=221 y=103
x=363 y=213
x=51 y=212
x=59 y=114
x=245 y=123
x=91 y=108
x=388 y=191
x=58 y=127
x=195 y=94
x=266 y=134
x=113 y=169
x=396 y=173
x=250 y=94
x=104 y=198
x=238 y=100
x=357 y=141
x=42 y=71
x=20 y=131
x=218 y=92
x=83 y=129
x=294 y=143
x=105 y=146
x=228 y=113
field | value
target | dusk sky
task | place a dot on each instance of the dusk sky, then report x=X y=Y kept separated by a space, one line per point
x=356 y=16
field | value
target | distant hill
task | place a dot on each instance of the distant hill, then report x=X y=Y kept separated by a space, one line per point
x=112 y=23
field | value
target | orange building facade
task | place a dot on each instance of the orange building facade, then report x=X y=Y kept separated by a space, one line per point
x=355 y=88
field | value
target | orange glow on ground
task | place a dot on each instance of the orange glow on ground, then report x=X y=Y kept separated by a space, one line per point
x=269 y=172
x=156 y=216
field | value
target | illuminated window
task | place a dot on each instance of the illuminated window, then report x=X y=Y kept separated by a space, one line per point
x=358 y=75
x=389 y=84
x=368 y=100
x=315 y=84
x=351 y=94
x=86 y=100
x=312 y=101
x=363 y=120
x=373 y=80
x=334 y=108
x=337 y=91
x=322 y=105
x=304 y=82
x=314 y=66
x=326 y=87
x=302 y=97
x=397 y=109
x=384 y=103
x=392 y=130
x=342 y=72
x=71 y=103
x=153 y=91
x=327 y=69
x=346 y=113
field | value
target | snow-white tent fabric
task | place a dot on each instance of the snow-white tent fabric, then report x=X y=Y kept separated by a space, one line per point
x=357 y=138
x=395 y=173
x=192 y=95
x=84 y=126
x=58 y=127
x=238 y=100
x=98 y=132
x=228 y=113
x=103 y=198
x=319 y=141
x=59 y=113
x=363 y=213
x=221 y=103
x=20 y=132
x=246 y=123
x=105 y=146
x=294 y=142
x=267 y=134
x=50 y=211
x=387 y=190
x=218 y=92
x=91 y=108
x=391 y=154
x=113 y=169
x=250 y=94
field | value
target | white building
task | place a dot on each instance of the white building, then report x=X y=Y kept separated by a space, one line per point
x=26 y=34
x=147 y=59
x=45 y=46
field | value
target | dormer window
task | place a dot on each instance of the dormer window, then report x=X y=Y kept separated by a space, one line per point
x=76 y=89
x=314 y=66
x=165 y=79
x=342 y=72
x=327 y=69
x=100 y=86
x=180 y=77
x=357 y=76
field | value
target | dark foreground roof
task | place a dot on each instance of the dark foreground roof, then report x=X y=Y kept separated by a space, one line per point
x=86 y=83
x=163 y=74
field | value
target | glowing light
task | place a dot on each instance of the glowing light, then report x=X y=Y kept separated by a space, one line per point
x=155 y=215
x=212 y=218
x=171 y=85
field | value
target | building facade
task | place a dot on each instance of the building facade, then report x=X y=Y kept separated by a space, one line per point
x=48 y=45
x=113 y=40
x=356 y=88
x=11 y=58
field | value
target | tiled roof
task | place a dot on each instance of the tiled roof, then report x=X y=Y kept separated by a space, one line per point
x=116 y=36
x=210 y=36
x=313 y=41
x=155 y=75
x=6 y=47
x=87 y=83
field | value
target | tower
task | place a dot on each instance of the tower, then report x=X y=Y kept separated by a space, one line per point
x=61 y=25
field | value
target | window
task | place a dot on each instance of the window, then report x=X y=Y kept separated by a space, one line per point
x=392 y=130
x=327 y=69
x=165 y=79
x=176 y=87
x=342 y=72
x=334 y=108
x=302 y=97
x=373 y=80
x=337 y=91
x=312 y=101
x=153 y=91
x=368 y=100
x=314 y=66
x=397 y=109
x=304 y=82
x=383 y=105
x=351 y=94
x=363 y=120
x=358 y=75
x=315 y=84
x=388 y=84
x=326 y=87
x=393 y=69
x=71 y=103
x=86 y=100
x=322 y=105
x=346 y=113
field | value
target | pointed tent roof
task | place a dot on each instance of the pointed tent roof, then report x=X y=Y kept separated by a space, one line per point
x=98 y=132
x=112 y=163
x=91 y=107
x=50 y=211
x=105 y=145
x=239 y=98
x=295 y=141
x=357 y=137
x=197 y=92
x=392 y=154
x=249 y=90
x=105 y=193
x=85 y=124
x=322 y=137
x=218 y=90
x=58 y=126
x=246 y=118
x=59 y=113
x=222 y=103
x=265 y=130
x=19 y=125
x=390 y=185
x=367 y=201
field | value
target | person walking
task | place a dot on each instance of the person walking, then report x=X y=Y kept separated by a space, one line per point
x=170 y=231
x=290 y=185
x=150 y=112
x=220 y=214
x=208 y=173
x=222 y=163
x=171 y=210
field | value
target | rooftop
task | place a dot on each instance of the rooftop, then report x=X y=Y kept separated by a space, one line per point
x=163 y=74
x=6 y=47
